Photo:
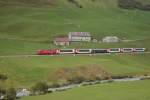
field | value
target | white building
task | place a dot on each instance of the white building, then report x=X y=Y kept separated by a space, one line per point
x=79 y=36
x=110 y=39
x=61 y=41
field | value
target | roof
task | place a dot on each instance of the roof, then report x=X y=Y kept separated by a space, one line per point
x=80 y=34
x=110 y=37
x=62 y=39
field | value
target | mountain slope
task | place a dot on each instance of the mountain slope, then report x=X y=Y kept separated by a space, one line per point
x=20 y=21
x=27 y=26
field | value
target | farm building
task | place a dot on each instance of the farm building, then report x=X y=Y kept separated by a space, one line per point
x=79 y=36
x=110 y=39
x=61 y=41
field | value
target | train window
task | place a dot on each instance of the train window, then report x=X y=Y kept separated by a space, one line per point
x=66 y=50
x=86 y=50
x=139 y=49
x=115 y=49
x=100 y=51
x=127 y=49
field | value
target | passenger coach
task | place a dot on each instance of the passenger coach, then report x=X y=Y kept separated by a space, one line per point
x=66 y=51
x=97 y=51
x=83 y=51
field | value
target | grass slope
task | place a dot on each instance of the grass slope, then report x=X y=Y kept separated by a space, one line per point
x=24 y=28
x=99 y=17
x=113 y=91
x=25 y=71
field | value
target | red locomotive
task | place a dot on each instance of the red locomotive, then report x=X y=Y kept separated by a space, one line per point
x=48 y=52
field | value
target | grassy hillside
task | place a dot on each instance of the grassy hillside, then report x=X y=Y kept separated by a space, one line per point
x=27 y=26
x=113 y=91
x=24 y=71
x=101 y=17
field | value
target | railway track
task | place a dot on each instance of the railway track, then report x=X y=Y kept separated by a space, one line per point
x=34 y=55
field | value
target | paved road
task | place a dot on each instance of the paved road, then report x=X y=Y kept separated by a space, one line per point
x=34 y=55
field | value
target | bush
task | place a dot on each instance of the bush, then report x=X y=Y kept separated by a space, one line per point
x=10 y=94
x=2 y=92
x=133 y=4
x=76 y=3
x=120 y=77
x=78 y=75
x=40 y=88
x=76 y=80
x=54 y=85
x=129 y=4
x=146 y=7
x=3 y=77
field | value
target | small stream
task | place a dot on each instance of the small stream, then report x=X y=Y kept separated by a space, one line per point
x=98 y=82
x=25 y=92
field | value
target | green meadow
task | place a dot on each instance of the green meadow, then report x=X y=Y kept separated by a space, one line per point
x=25 y=71
x=28 y=26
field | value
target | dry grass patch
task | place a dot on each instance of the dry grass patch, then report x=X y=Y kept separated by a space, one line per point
x=78 y=74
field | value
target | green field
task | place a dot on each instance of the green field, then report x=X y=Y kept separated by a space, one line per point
x=25 y=71
x=111 y=91
x=25 y=28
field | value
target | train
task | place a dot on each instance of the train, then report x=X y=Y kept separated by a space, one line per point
x=89 y=51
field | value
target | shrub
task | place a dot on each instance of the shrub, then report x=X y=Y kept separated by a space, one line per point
x=76 y=79
x=146 y=7
x=3 y=77
x=2 y=91
x=133 y=4
x=128 y=4
x=76 y=3
x=79 y=74
x=54 y=85
x=10 y=94
x=120 y=77
x=40 y=88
